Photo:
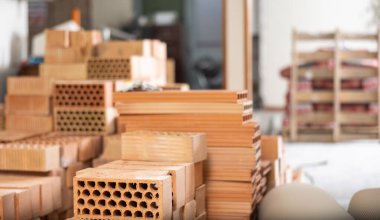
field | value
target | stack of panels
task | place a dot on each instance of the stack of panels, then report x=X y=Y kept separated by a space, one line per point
x=51 y=155
x=28 y=105
x=226 y=119
x=83 y=107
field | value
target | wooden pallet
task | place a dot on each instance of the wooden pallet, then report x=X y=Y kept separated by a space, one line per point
x=337 y=96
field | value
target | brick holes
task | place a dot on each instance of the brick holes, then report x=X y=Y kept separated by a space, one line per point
x=80 y=121
x=79 y=95
x=108 y=68
x=97 y=199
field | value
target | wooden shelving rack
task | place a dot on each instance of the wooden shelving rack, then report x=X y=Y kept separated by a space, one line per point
x=344 y=125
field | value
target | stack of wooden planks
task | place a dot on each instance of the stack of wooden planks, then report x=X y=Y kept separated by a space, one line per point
x=233 y=174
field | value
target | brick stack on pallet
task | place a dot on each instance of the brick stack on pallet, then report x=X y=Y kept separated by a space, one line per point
x=28 y=105
x=160 y=177
x=137 y=60
x=233 y=139
x=66 y=54
x=48 y=156
x=333 y=93
x=84 y=107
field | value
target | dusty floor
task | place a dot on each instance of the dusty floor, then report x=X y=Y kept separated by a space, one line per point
x=340 y=169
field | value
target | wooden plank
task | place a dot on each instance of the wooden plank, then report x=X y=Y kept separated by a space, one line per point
x=349 y=137
x=357 y=72
x=358 y=97
x=360 y=37
x=337 y=86
x=357 y=118
x=301 y=36
x=315 y=73
x=293 y=89
x=315 y=56
x=316 y=117
x=315 y=96
x=360 y=129
x=347 y=55
x=315 y=138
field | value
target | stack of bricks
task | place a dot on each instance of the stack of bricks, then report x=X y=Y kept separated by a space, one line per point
x=52 y=157
x=153 y=180
x=137 y=60
x=66 y=54
x=28 y=105
x=84 y=107
x=2 y=116
x=233 y=140
x=111 y=150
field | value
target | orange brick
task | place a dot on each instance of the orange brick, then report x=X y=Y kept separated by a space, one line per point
x=112 y=147
x=7 y=204
x=29 y=157
x=84 y=121
x=56 y=39
x=72 y=170
x=164 y=146
x=89 y=94
x=200 y=198
x=109 y=193
x=72 y=71
x=199 y=175
x=64 y=55
x=271 y=148
x=27 y=85
x=178 y=174
x=31 y=104
x=32 y=123
x=125 y=49
x=189 y=210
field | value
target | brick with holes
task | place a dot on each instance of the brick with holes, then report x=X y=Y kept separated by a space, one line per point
x=89 y=94
x=118 y=194
x=84 y=121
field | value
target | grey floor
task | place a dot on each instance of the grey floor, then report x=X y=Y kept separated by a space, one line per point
x=340 y=169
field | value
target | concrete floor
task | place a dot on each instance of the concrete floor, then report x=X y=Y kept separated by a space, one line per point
x=341 y=169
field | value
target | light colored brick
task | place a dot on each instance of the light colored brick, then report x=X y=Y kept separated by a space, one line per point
x=178 y=174
x=112 y=147
x=72 y=71
x=29 y=85
x=29 y=157
x=29 y=123
x=112 y=193
x=164 y=146
x=56 y=39
x=189 y=210
x=29 y=105
x=200 y=199
x=199 y=175
x=64 y=55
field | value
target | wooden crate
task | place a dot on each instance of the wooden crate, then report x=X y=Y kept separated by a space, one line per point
x=336 y=96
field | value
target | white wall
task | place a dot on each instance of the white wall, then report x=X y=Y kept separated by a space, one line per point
x=278 y=17
x=13 y=37
x=113 y=13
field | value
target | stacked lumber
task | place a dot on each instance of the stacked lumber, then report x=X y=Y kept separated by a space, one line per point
x=333 y=93
x=135 y=60
x=28 y=105
x=84 y=107
x=45 y=157
x=66 y=53
x=233 y=140
x=152 y=181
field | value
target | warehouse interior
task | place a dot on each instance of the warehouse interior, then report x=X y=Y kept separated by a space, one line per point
x=179 y=109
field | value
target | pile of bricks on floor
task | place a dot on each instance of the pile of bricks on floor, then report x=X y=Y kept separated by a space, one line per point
x=232 y=170
x=160 y=177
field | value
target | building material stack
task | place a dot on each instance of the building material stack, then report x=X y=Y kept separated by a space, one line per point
x=66 y=54
x=28 y=105
x=84 y=107
x=160 y=177
x=137 y=60
x=233 y=140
